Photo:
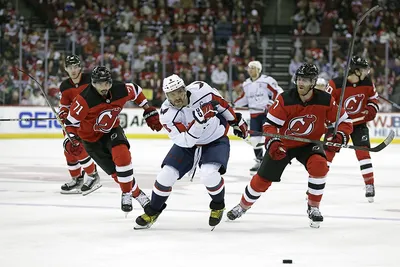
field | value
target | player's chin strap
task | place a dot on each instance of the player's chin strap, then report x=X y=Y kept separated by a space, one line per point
x=378 y=148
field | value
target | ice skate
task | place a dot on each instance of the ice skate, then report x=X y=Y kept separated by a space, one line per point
x=315 y=217
x=256 y=166
x=147 y=219
x=143 y=199
x=73 y=186
x=92 y=184
x=126 y=203
x=236 y=212
x=215 y=217
x=370 y=192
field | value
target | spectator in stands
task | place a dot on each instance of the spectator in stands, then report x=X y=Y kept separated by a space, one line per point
x=219 y=79
x=313 y=27
x=223 y=31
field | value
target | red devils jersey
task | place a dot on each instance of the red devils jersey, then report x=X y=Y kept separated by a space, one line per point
x=289 y=115
x=69 y=90
x=92 y=115
x=356 y=97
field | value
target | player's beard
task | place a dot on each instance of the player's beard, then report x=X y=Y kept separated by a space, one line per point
x=179 y=103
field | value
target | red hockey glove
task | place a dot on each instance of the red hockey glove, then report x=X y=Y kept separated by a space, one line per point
x=276 y=149
x=63 y=114
x=152 y=119
x=240 y=128
x=75 y=148
x=205 y=112
x=339 y=138
x=371 y=113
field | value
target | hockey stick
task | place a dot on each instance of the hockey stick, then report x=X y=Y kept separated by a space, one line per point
x=349 y=56
x=246 y=108
x=52 y=108
x=29 y=119
x=390 y=102
x=378 y=148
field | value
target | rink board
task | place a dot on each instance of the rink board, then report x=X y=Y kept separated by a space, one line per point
x=135 y=126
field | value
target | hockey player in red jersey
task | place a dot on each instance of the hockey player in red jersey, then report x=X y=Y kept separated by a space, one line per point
x=93 y=118
x=361 y=104
x=300 y=112
x=69 y=89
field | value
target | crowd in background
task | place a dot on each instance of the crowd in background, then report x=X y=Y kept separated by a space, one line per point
x=316 y=21
x=194 y=33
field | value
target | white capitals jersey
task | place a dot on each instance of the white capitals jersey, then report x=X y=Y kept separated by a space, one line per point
x=183 y=129
x=258 y=94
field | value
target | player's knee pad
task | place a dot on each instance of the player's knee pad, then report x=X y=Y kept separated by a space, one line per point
x=259 y=184
x=330 y=155
x=121 y=155
x=362 y=154
x=167 y=176
x=70 y=158
x=209 y=174
x=83 y=155
x=317 y=166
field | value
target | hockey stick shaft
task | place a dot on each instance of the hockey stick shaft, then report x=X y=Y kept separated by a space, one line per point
x=349 y=56
x=48 y=103
x=29 y=119
x=390 y=102
x=378 y=148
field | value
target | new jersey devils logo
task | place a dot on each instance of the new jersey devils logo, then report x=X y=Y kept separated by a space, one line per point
x=303 y=125
x=353 y=103
x=106 y=120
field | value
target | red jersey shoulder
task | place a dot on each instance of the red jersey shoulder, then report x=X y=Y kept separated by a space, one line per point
x=292 y=98
x=337 y=82
x=68 y=84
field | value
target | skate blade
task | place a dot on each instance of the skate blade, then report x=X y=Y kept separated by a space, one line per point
x=94 y=188
x=315 y=224
x=139 y=227
x=370 y=199
x=126 y=214
x=71 y=192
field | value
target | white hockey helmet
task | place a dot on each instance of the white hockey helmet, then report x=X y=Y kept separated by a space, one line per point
x=255 y=64
x=172 y=83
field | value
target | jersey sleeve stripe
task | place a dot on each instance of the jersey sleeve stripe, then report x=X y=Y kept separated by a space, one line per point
x=274 y=120
x=373 y=105
x=180 y=127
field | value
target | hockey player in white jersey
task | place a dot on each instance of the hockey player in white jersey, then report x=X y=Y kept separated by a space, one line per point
x=197 y=119
x=259 y=92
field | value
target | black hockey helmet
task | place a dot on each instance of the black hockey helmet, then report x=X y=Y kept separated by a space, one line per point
x=72 y=60
x=101 y=74
x=308 y=71
x=357 y=63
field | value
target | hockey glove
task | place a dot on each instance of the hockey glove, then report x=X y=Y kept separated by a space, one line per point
x=240 y=128
x=75 y=148
x=371 y=114
x=276 y=149
x=63 y=114
x=339 y=138
x=152 y=119
x=205 y=112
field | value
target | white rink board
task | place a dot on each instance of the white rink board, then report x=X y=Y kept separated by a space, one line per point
x=135 y=127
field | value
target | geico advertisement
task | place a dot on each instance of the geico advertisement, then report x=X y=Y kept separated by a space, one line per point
x=131 y=119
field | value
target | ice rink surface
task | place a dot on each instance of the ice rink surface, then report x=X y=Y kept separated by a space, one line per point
x=39 y=227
